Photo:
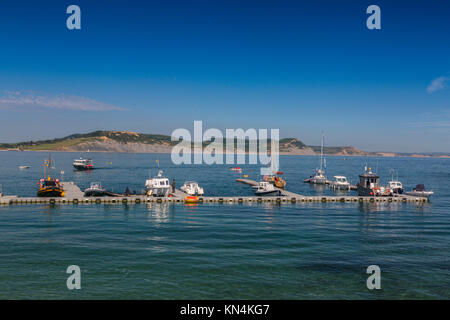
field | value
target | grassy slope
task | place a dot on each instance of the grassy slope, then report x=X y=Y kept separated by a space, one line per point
x=57 y=145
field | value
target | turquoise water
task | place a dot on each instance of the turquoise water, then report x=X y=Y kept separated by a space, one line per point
x=223 y=251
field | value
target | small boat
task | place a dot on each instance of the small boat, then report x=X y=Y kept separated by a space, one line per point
x=395 y=186
x=83 y=164
x=95 y=190
x=24 y=167
x=236 y=169
x=419 y=191
x=267 y=189
x=192 y=188
x=340 y=182
x=48 y=186
x=368 y=181
x=318 y=177
x=275 y=180
x=369 y=184
x=158 y=186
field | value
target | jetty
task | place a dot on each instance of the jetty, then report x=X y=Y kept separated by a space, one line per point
x=283 y=192
x=74 y=196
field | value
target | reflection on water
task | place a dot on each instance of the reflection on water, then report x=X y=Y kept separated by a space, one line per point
x=159 y=212
x=264 y=250
x=318 y=188
x=370 y=207
x=389 y=207
x=340 y=192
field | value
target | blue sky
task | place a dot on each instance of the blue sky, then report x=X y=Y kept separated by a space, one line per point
x=301 y=66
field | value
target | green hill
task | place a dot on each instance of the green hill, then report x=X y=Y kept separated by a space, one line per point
x=125 y=141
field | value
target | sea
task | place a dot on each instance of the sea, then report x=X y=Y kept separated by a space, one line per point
x=223 y=251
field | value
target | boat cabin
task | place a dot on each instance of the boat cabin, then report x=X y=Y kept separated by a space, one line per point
x=191 y=184
x=158 y=182
x=395 y=185
x=49 y=182
x=369 y=180
x=340 y=179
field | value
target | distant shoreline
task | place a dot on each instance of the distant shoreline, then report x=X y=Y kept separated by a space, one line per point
x=133 y=142
x=380 y=155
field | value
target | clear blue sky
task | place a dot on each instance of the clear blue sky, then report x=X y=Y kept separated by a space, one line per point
x=301 y=66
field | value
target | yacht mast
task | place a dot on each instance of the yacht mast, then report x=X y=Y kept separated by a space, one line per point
x=272 y=148
x=321 y=153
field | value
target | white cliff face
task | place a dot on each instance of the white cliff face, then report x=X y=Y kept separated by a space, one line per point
x=297 y=151
x=109 y=145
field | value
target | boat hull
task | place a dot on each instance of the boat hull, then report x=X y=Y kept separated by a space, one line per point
x=364 y=191
x=50 y=192
x=316 y=181
x=423 y=194
x=340 y=186
x=82 y=167
x=94 y=193
x=319 y=180
x=268 y=193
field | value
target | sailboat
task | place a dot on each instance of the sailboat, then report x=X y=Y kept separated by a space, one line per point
x=318 y=176
x=48 y=186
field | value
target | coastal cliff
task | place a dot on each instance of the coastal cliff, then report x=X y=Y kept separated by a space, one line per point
x=133 y=142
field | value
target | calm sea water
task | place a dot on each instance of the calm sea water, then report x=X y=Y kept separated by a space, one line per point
x=222 y=251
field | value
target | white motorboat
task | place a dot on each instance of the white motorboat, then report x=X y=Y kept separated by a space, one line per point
x=24 y=167
x=83 y=164
x=158 y=186
x=266 y=189
x=340 y=182
x=192 y=188
x=95 y=190
x=419 y=191
x=395 y=186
